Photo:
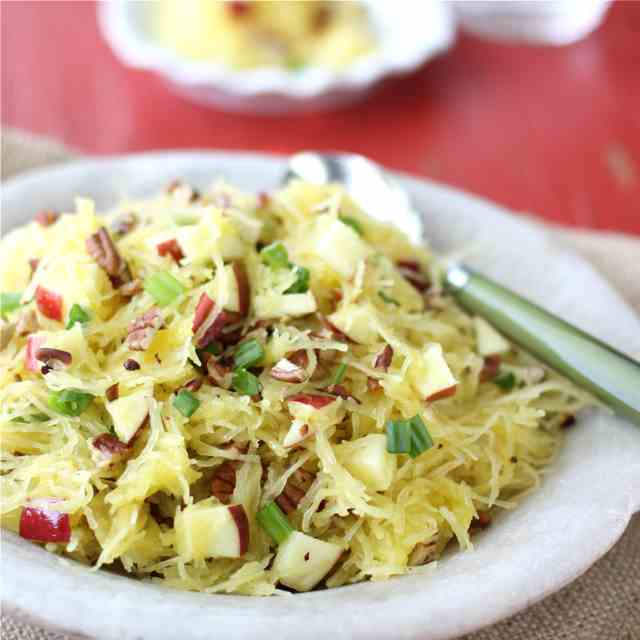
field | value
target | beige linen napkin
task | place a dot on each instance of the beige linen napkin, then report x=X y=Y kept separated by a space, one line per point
x=603 y=604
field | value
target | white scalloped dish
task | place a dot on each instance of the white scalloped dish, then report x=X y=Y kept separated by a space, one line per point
x=581 y=509
x=406 y=39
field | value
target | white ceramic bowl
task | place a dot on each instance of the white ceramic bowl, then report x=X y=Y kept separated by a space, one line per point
x=408 y=33
x=583 y=506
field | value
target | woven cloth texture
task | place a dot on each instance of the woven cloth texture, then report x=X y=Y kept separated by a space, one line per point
x=604 y=603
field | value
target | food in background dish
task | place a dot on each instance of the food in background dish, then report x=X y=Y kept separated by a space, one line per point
x=265 y=34
x=229 y=393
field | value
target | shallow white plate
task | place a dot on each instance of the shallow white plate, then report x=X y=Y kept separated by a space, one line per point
x=581 y=509
x=408 y=35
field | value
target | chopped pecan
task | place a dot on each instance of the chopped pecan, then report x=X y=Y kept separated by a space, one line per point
x=373 y=385
x=143 y=329
x=27 y=323
x=223 y=481
x=295 y=490
x=101 y=248
x=490 y=368
x=412 y=273
x=55 y=359
x=341 y=391
x=131 y=365
x=290 y=498
x=47 y=218
x=109 y=446
x=384 y=358
x=113 y=392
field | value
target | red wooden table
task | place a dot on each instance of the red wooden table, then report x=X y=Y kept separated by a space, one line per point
x=555 y=131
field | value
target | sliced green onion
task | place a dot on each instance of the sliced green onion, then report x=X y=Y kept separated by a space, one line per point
x=408 y=436
x=69 y=402
x=420 y=438
x=34 y=417
x=248 y=354
x=388 y=299
x=274 y=522
x=163 y=288
x=353 y=223
x=9 y=302
x=339 y=374
x=77 y=314
x=275 y=255
x=301 y=285
x=398 y=436
x=186 y=403
x=245 y=382
x=506 y=381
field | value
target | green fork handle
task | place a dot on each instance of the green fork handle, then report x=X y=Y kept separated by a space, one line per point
x=610 y=375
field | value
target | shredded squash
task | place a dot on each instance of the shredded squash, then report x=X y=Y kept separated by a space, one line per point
x=246 y=35
x=224 y=351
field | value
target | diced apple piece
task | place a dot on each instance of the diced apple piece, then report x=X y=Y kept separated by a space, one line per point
x=355 y=322
x=214 y=233
x=338 y=245
x=489 y=341
x=303 y=561
x=292 y=304
x=231 y=284
x=430 y=373
x=44 y=525
x=49 y=303
x=368 y=460
x=298 y=432
x=211 y=530
x=129 y=413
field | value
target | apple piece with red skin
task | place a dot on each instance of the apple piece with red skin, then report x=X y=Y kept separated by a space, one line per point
x=298 y=431
x=209 y=529
x=302 y=561
x=314 y=400
x=444 y=393
x=430 y=375
x=244 y=291
x=170 y=248
x=34 y=342
x=129 y=413
x=44 y=525
x=49 y=303
x=204 y=307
